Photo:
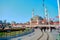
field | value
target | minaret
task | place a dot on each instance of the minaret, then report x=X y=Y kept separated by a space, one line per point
x=32 y=12
x=32 y=16
x=46 y=15
x=45 y=10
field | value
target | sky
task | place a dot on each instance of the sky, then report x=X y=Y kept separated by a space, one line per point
x=21 y=10
x=59 y=4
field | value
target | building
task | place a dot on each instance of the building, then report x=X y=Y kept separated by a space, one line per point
x=1 y=23
x=35 y=20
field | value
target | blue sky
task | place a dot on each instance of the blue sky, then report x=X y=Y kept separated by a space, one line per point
x=21 y=10
x=59 y=3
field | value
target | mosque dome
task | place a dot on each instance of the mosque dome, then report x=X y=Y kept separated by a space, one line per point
x=36 y=17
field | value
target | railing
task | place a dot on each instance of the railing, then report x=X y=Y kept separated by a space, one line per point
x=38 y=25
x=42 y=25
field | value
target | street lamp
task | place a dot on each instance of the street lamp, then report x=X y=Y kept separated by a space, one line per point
x=59 y=20
x=58 y=11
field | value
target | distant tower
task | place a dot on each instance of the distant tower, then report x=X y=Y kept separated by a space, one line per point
x=32 y=12
x=5 y=21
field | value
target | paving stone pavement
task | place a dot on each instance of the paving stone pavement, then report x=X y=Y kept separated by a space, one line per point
x=35 y=35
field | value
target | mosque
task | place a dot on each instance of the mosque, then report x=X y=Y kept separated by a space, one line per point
x=35 y=20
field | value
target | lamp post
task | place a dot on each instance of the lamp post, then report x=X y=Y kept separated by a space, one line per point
x=58 y=11
x=59 y=20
